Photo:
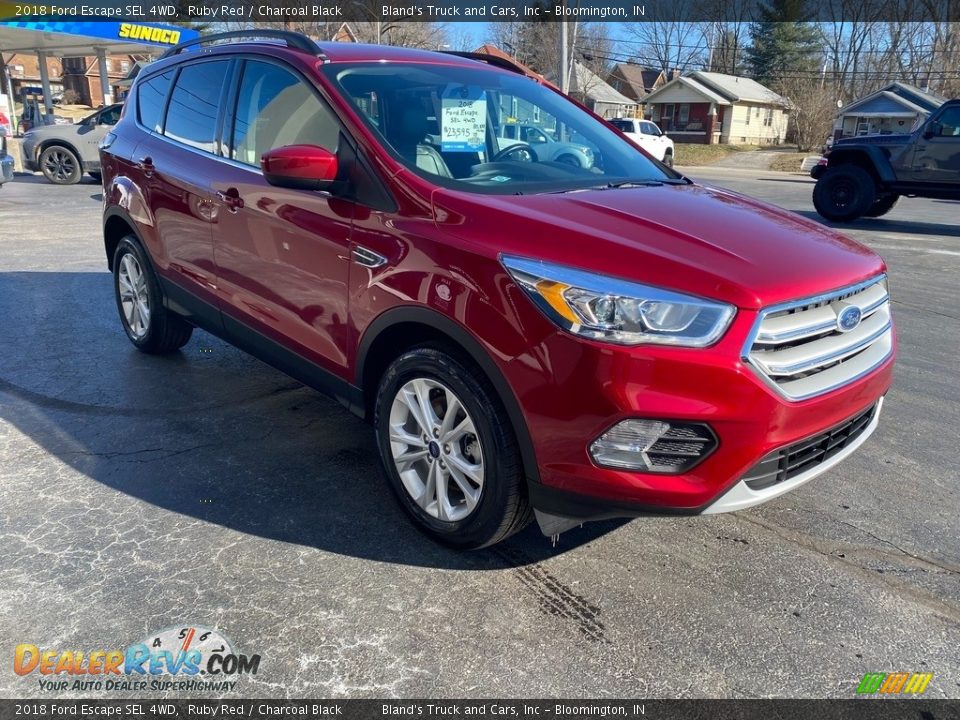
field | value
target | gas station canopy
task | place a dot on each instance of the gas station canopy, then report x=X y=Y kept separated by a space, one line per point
x=82 y=39
x=76 y=39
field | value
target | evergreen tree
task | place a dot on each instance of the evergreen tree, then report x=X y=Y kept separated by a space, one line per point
x=784 y=42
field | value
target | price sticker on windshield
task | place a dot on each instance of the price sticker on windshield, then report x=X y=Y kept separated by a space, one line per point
x=463 y=122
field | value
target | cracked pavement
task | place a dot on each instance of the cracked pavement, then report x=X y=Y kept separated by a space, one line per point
x=205 y=488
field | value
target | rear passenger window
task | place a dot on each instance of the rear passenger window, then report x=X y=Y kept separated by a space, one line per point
x=192 y=113
x=275 y=108
x=151 y=95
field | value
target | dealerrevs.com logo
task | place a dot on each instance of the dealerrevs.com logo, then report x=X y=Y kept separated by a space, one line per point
x=179 y=658
x=896 y=683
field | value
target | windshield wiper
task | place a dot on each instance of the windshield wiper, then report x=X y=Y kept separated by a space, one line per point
x=646 y=183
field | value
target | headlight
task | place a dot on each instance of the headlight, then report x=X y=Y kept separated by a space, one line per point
x=619 y=311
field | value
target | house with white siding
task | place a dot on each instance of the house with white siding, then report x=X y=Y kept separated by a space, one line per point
x=708 y=107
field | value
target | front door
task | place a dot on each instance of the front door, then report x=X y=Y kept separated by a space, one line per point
x=936 y=156
x=282 y=255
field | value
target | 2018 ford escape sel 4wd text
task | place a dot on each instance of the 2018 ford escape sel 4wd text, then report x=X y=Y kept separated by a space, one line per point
x=527 y=337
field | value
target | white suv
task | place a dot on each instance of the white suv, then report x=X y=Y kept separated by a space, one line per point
x=648 y=136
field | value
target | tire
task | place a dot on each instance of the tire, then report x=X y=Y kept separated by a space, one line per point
x=882 y=206
x=567 y=159
x=148 y=324
x=60 y=165
x=668 y=158
x=844 y=193
x=485 y=448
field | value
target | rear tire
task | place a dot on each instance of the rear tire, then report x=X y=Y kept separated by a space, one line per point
x=477 y=494
x=844 y=193
x=148 y=324
x=882 y=206
x=668 y=158
x=60 y=165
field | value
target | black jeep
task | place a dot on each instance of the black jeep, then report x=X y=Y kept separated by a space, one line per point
x=865 y=176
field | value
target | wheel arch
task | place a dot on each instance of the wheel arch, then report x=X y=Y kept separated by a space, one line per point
x=117 y=224
x=871 y=159
x=66 y=144
x=399 y=329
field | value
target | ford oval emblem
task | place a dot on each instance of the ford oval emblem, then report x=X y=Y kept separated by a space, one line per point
x=848 y=319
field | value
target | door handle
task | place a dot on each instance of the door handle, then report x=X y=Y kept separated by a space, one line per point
x=231 y=198
x=146 y=165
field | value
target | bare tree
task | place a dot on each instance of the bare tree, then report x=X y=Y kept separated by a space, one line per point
x=812 y=110
x=671 y=44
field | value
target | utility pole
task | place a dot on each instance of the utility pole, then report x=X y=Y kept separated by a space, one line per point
x=564 y=59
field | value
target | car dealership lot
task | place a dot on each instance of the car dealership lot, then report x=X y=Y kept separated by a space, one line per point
x=207 y=489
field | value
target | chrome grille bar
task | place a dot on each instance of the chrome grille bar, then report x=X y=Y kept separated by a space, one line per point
x=799 y=349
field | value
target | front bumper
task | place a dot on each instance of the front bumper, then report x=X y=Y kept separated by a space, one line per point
x=596 y=386
x=6 y=169
x=28 y=157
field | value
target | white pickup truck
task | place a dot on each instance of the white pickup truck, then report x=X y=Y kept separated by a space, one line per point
x=648 y=136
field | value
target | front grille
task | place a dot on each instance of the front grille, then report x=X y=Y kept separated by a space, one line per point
x=791 y=461
x=801 y=351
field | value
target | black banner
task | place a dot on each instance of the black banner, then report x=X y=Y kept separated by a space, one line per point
x=493 y=709
x=287 y=11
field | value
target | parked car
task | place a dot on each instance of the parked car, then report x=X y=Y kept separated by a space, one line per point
x=526 y=337
x=6 y=160
x=544 y=145
x=647 y=135
x=865 y=176
x=64 y=152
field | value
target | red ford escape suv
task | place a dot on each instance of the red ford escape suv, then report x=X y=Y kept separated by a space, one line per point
x=527 y=336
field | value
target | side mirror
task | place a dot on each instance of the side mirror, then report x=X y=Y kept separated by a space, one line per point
x=302 y=167
x=932 y=130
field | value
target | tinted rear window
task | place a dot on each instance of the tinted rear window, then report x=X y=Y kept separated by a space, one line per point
x=192 y=114
x=151 y=96
x=622 y=125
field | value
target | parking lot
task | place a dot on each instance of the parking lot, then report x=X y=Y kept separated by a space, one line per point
x=207 y=489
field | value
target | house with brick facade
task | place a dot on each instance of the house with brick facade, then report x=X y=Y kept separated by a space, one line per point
x=708 y=107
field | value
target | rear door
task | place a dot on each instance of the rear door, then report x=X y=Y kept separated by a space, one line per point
x=283 y=255
x=176 y=162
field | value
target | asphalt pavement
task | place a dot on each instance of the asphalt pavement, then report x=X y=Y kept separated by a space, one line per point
x=209 y=490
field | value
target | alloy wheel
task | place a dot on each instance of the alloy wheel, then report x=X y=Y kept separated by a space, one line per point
x=436 y=450
x=59 y=164
x=134 y=298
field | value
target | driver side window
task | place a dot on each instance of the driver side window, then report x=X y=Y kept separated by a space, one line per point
x=276 y=108
x=950 y=123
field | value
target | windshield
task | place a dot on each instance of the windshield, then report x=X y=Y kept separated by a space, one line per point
x=488 y=131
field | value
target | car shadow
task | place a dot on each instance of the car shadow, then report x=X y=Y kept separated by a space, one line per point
x=886 y=224
x=801 y=180
x=210 y=434
x=38 y=179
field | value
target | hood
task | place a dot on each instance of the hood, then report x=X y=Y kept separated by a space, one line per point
x=890 y=139
x=690 y=238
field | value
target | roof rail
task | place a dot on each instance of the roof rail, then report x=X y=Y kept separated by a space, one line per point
x=489 y=59
x=292 y=39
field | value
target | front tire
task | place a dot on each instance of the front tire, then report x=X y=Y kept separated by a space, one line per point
x=60 y=165
x=844 y=193
x=882 y=206
x=448 y=450
x=148 y=324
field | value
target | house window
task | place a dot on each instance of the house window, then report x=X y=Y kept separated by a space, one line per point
x=768 y=117
x=124 y=66
x=684 y=114
x=18 y=70
x=747 y=121
x=655 y=112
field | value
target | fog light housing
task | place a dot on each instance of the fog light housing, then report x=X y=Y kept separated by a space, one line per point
x=654 y=446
